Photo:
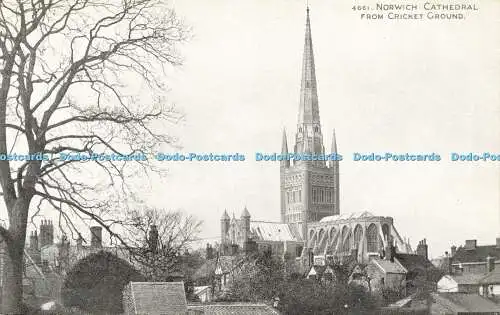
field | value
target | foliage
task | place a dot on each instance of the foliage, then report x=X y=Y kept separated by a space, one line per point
x=70 y=76
x=159 y=241
x=297 y=295
x=96 y=282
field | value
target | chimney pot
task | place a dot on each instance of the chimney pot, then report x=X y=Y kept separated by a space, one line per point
x=470 y=244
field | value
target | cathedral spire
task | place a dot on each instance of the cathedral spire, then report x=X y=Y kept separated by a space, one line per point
x=284 y=150
x=308 y=110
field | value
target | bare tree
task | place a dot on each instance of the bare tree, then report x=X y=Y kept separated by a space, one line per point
x=158 y=240
x=70 y=70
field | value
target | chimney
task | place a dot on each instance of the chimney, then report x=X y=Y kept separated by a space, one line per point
x=79 y=242
x=153 y=239
x=96 y=236
x=422 y=248
x=453 y=250
x=46 y=233
x=470 y=244
x=210 y=252
x=498 y=242
x=389 y=250
x=490 y=263
x=34 y=241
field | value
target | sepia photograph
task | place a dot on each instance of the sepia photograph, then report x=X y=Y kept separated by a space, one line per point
x=293 y=157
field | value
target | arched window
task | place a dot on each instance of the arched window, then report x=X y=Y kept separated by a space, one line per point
x=346 y=239
x=358 y=234
x=385 y=231
x=372 y=239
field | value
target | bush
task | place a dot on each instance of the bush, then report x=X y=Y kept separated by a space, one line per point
x=96 y=283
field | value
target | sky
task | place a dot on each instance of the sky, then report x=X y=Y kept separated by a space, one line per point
x=385 y=86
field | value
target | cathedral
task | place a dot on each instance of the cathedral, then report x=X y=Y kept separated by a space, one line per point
x=312 y=225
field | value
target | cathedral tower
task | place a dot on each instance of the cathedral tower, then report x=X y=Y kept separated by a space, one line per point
x=309 y=190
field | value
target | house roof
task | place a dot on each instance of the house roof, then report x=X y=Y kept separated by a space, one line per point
x=413 y=261
x=477 y=254
x=492 y=277
x=166 y=298
x=467 y=302
x=235 y=309
x=200 y=289
x=449 y=303
x=468 y=278
x=388 y=266
x=273 y=231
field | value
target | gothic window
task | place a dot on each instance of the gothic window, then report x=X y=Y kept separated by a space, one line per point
x=346 y=239
x=372 y=238
x=358 y=234
x=316 y=129
x=300 y=129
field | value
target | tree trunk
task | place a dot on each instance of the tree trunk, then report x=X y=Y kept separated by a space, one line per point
x=12 y=286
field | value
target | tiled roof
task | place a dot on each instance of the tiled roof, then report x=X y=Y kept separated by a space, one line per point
x=388 y=266
x=236 y=309
x=165 y=298
x=412 y=261
x=450 y=303
x=491 y=277
x=467 y=302
x=272 y=231
x=477 y=254
x=468 y=278
x=347 y=216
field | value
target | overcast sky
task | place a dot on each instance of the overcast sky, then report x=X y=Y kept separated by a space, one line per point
x=385 y=86
x=398 y=86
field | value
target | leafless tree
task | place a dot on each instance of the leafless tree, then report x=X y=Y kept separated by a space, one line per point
x=158 y=240
x=70 y=70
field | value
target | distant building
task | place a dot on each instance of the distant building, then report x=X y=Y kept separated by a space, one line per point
x=471 y=258
x=311 y=221
x=398 y=271
x=203 y=293
x=461 y=283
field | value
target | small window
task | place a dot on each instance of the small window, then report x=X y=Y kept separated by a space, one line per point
x=300 y=129
x=316 y=129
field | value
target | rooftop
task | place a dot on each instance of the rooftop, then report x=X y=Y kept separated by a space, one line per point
x=235 y=309
x=477 y=254
x=165 y=298
x=347 y=216
x=271 y=231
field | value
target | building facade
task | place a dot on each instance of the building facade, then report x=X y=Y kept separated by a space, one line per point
x=311 y=222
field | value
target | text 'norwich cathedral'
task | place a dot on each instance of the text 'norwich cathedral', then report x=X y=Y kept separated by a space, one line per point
x=312 y=226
